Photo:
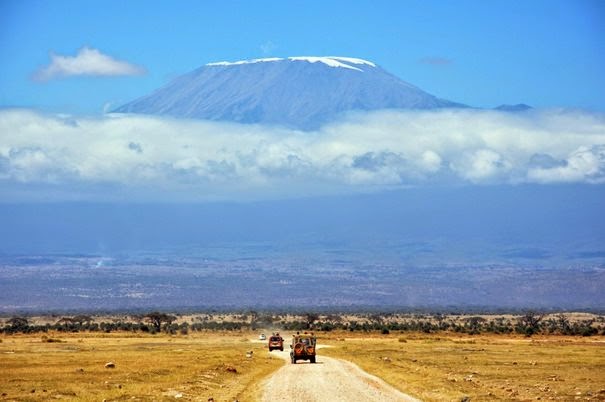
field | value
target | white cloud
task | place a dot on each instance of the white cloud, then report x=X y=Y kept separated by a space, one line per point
x=268 y=47
x=583 y=164
x=430 y=161
x=88 y=61
x=163 y=158
x=480 y=165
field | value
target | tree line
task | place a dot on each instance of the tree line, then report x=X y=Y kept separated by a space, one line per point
x=528 y=324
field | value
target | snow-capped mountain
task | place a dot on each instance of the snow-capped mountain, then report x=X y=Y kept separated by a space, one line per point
x=298 y=92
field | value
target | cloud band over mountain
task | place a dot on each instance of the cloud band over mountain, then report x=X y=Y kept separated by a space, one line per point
x=155 y=158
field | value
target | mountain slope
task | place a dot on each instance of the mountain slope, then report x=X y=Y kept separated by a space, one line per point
x=520 y=107
x=298 y=92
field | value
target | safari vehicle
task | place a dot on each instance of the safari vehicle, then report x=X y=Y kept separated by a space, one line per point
x=276 y=342
x=303 y=347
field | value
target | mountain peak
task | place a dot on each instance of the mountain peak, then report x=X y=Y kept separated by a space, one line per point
x=331 y=61
x=302 y=92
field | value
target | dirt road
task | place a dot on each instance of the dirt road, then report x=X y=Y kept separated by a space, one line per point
x=327 y=380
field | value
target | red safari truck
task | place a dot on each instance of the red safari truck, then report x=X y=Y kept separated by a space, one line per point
x=276 y=342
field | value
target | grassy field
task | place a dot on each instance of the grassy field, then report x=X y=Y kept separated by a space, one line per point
x=447 y=367
x=160 y=367
x=433 y=367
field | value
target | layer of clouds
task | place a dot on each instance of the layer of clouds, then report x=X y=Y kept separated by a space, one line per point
x=156 y=158
x=88 y=61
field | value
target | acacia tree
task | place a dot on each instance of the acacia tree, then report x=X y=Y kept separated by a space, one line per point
x=474 y=324
x=17 y=324
x=82 y=319
x=310 y=319
x=529 y=323
x=156 y=319
x=563 y=323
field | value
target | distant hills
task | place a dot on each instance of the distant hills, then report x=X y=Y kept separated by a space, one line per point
x=520 y=107
x=296 y=92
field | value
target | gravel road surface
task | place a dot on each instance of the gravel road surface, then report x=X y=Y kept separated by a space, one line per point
x=328 y=380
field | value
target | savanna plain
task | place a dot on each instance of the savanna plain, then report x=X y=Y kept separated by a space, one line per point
x=229 y=365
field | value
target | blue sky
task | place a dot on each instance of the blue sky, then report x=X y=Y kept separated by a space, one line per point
x=66 y=62
x=544 y=53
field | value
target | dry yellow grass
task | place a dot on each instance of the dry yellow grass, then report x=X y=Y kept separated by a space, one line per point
x=433 y=367
x=447 y=367
x=147 y=367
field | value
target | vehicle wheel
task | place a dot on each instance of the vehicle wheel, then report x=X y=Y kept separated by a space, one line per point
x=281 y=349
x=312 y=359
x=293 y=361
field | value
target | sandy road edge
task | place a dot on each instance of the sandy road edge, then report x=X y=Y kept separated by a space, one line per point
x=255 y=392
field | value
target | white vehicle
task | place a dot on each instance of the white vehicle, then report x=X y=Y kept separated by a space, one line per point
x=262 y=337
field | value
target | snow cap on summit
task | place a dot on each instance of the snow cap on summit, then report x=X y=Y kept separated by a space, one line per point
x=332 y=61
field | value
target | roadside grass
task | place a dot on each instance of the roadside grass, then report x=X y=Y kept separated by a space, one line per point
x=449 y=367
x=432 y=367
x=147 y=367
